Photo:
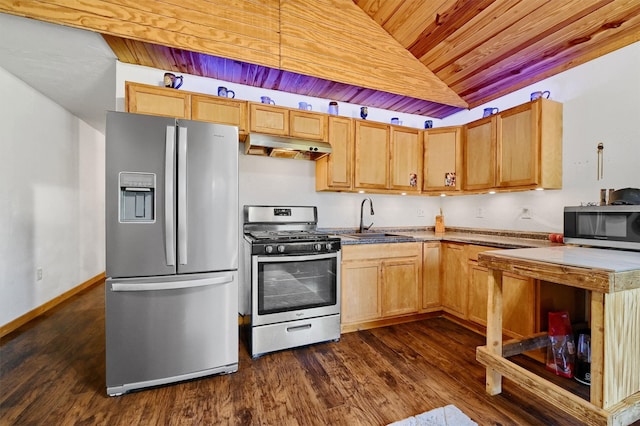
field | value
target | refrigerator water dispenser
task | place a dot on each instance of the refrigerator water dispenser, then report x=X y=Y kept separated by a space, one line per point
x=137 y=197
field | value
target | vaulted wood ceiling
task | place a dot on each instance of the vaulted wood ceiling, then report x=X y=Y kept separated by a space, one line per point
x=417 y=56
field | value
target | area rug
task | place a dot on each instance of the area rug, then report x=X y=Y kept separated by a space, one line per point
x=449 y=415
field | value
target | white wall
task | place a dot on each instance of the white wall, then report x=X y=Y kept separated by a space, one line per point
x=600 y=101
x=51 y=199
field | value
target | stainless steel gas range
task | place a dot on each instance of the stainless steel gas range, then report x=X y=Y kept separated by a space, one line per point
x=294 y=276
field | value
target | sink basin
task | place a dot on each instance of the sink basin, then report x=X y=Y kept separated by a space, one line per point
x=373 y=235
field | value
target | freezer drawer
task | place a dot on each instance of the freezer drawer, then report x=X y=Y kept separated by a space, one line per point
x=165 y=329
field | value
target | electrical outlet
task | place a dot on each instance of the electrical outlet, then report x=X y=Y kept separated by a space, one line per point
x=39 y=274
x=420 y=212
x=479 y=212
x=526 y=213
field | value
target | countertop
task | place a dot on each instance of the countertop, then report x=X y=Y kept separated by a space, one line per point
x=492 y=238
x=582 y=257
x=595 y=269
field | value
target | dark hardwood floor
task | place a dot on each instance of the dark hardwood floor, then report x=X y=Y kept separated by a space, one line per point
x=52 y=373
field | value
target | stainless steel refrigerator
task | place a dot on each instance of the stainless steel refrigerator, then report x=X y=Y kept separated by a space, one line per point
x=171 y=250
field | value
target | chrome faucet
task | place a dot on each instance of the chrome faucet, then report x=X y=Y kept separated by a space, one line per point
x=362 y=227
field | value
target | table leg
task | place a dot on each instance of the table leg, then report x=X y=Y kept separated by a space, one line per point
x=494 y=329
x=597 y=349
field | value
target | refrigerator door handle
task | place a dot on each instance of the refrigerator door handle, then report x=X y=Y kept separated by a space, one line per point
x=169 y=231
x=172 y=285
x=182 y=195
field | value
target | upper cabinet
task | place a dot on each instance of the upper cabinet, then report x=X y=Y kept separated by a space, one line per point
x=529 y=146
x=265 y=118
x=405 y=159
x=220 y=110
x=334 y=171
x=154 y=100
x=442 y=170
x=387 y=158
x=308 y=125
x=281 y=121
x=371 y=148
x=520 y=148
x=480 y=154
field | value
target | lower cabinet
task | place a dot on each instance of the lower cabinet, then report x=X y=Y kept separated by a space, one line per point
x=431 y=288
x=380 y=281
x=518 y=301
x=454 y=279
x=384 y=281
x=465 y=286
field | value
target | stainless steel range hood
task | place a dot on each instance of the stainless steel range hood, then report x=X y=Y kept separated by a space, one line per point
x=283 y=147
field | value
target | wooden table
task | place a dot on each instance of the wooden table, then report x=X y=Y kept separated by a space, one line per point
x=613 y=278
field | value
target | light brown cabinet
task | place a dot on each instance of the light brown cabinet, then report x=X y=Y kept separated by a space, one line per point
x=464 y=290
x=442 y=171
x=334 y=171
x=405 y=159
x=153 y=100
x=454 y=279
x=379 y=281
x=529 y=146
x=431 y=299
x=371 y=152
x=220 y=110
x=360 y=291
x=519 y=301
x=280 y=121
x=265 y=118
x=387 y=157
x=518 y=305
x=519 y=148
x=480 y=154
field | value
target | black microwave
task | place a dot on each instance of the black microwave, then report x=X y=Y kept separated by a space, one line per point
x=612 y=226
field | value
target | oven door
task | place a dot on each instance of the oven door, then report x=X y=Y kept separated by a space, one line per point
x=292 y=287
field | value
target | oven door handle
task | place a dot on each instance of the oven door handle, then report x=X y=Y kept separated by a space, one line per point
x=295 y=258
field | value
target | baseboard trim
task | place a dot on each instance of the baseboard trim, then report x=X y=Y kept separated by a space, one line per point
x=22 y=320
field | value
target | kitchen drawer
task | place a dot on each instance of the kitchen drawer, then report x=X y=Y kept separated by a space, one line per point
x=275 y=337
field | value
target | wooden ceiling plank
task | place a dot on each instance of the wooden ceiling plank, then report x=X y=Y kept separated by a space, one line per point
x=118 y=44
x=560 y=55
x=107 y=18
x=550 y=68
x=446 y=24
x=409 y=21
x=386 y=10
x=558 y=44
x=538 y=25
x=260 y=23
x=306 y=48
x=496 y=18
x=161 y=58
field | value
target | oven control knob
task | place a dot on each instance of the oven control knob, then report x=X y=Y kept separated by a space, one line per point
x=317 y=246
x=280 y=249
x=329 y=246
x=268 y=249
